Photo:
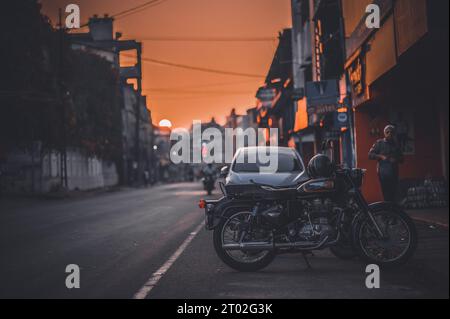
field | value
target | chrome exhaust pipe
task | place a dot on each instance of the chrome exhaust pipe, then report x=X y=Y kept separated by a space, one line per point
x=272 y=246
x=249 y=246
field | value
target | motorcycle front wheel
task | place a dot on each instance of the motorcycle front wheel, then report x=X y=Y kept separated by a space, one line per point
x=399 y=242
x=230 y=231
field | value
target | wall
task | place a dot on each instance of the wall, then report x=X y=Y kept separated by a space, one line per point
x=410 y=23
x=381 y=55
x=353 y=10
x=83 y=173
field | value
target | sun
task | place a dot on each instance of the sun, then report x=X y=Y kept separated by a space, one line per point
x=165 y=123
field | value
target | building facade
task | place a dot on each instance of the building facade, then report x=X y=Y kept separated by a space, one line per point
x=350 y=80
x=275 y=107
x=398 y=75
x=137 y=130
x=323 y=121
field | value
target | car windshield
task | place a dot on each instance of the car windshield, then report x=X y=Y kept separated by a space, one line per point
x=245 y=162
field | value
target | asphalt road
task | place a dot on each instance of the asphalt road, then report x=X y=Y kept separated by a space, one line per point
x=121 y=239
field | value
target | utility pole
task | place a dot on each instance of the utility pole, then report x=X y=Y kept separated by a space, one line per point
x=138 y=114
x=137 y=138
x=62 y=93
x=350 y=113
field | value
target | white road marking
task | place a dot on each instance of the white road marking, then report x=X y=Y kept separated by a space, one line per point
x=157 y=275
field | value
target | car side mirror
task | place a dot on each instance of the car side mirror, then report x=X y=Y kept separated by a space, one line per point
x=224 y=171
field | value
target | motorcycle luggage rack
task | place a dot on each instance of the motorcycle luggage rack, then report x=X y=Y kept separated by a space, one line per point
x=245 y=190
x=254 y=191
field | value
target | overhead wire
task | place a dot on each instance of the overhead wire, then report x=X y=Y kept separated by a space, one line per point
x=199 y=86
x=133 y=10
x=149 y=4
x=197 y=68
x=152 y=3
x=204 y=39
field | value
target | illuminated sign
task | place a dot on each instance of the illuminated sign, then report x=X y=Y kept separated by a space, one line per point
x=322 y=96
x=357 y=76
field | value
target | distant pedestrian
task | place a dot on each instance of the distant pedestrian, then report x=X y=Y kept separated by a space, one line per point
x=389 y=155
x=146 y=178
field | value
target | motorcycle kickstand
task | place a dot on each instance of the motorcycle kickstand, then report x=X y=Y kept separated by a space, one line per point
x=305 y=254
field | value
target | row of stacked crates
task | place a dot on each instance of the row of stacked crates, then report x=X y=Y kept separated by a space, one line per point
x=432 y=193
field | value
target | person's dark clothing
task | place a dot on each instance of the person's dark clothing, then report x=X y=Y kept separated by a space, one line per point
x=387 y=170
x=389 y=185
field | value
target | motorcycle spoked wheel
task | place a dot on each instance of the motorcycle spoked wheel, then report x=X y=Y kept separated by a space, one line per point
x=234 y=262
x=401 y=235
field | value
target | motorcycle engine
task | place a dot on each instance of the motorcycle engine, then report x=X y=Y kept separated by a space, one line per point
x=318 y=207
x=314 y=224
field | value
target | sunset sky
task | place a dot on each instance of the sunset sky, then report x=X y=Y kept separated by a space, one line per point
x=182 y=95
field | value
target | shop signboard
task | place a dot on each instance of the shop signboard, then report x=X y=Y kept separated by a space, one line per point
x=322 y=96
x=266 y=96
x=357 y=77
x=342 y=118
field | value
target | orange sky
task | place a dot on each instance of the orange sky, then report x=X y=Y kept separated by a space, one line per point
x=183 y=95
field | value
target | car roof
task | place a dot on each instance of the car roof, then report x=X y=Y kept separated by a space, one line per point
x=280 y=149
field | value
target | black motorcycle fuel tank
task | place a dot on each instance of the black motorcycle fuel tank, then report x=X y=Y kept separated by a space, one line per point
x=319 y=185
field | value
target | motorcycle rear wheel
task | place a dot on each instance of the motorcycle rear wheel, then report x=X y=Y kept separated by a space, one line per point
x=261 y=263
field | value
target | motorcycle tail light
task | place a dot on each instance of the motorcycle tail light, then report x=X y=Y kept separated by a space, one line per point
x=202 y=203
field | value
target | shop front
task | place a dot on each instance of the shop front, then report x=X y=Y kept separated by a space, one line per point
x=397 y=78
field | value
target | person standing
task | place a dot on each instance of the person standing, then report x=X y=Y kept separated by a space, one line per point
x=389 y=155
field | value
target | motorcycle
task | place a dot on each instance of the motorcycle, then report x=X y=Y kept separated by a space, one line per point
x=253 y=223
x=208 y=183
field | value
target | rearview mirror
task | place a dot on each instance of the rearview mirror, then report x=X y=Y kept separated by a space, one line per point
x=224 y=171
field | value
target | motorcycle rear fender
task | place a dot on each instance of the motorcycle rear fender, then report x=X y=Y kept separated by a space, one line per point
x=374 y=207
x=383 y=205
x=216 y=210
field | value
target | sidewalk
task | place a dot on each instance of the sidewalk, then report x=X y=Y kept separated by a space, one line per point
x=437 y=216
